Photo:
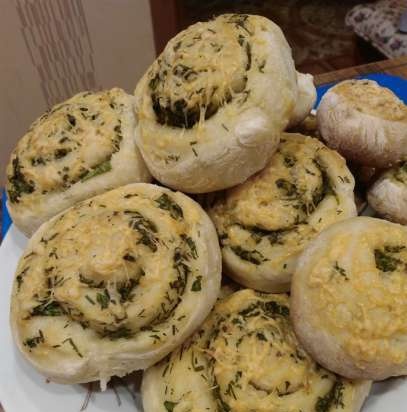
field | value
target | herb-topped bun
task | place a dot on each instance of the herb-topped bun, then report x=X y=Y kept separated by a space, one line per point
x=246 y=358
x=80 y=148
x=349 y=299
x=266 y=222
x=365 y=122
x=388 y=195
x=307 y=96
x=212 y=107
x=114 y=283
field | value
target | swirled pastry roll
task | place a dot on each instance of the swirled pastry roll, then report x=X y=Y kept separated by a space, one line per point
x=212 y=107
x=246 y=358
x=388 y=195
x=114 y=283
x=80 y=148
x=365 y=122
x=265 y=223
x=349 y=298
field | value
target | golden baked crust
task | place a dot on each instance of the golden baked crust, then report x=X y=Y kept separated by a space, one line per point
x=349 y=298
x=266 y=222
x=246 y=358
x=368 y=97
x=114 y=283
x=212 y=107
x=365 y=122
x=80 y=148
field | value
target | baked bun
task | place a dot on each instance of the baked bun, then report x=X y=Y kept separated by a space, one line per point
x=246 y=358
x=80 y=148
x=307 y=96
x=114 y=283
x=349 y=299
x=388 y=195
x=266 y=222
x=212 y=107
x=365 y=122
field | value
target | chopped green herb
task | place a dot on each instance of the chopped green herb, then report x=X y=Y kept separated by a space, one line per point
x=289 y=160
x=71 y=120
x=333 y=398
x=89 y=299
x=103 y=299
x=177 y=46
x=90 y=282
x=145 y=227
x=273 y=308
x=287 y=187
x=74 y=347
x=18 y=182
x=191 y=244
x=393 y=249
x=262 y=65
x=344 y=179
x=20 y=277
x=385 y=262
x=169 y=406
x=103 y=167
x=196 y=285
x=340 y=270
x=35 y=161
x=155 y=337
x=121 y=333
x=154 y=82
x=172 y=157
x=327 y=187
x=222 y=405
x=274 y=236
x=252 y=256
x=35 y=340
x=261 y=336
x=60 y=153
x=125 y=290
x=166 y=203
x=48 y=309
x=129 y=257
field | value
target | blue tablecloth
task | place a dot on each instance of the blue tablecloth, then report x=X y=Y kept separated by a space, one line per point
x=394 y=83
x=5 y=217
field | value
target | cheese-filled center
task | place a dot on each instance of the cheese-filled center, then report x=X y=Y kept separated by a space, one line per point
x=116 y=265
x=246 y=358
x=359 y=289
x=201 y=70
x=71 y=143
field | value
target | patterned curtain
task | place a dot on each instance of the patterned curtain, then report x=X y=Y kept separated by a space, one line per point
x=57 y=39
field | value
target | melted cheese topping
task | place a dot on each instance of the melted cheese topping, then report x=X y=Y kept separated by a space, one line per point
x=271 y=217
x=368 y=97
x=246 y=358
x=203 y=68
x=72 y=142
x=111 y=270
x=356 y=283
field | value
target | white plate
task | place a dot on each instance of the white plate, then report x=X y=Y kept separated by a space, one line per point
x=24 y=390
